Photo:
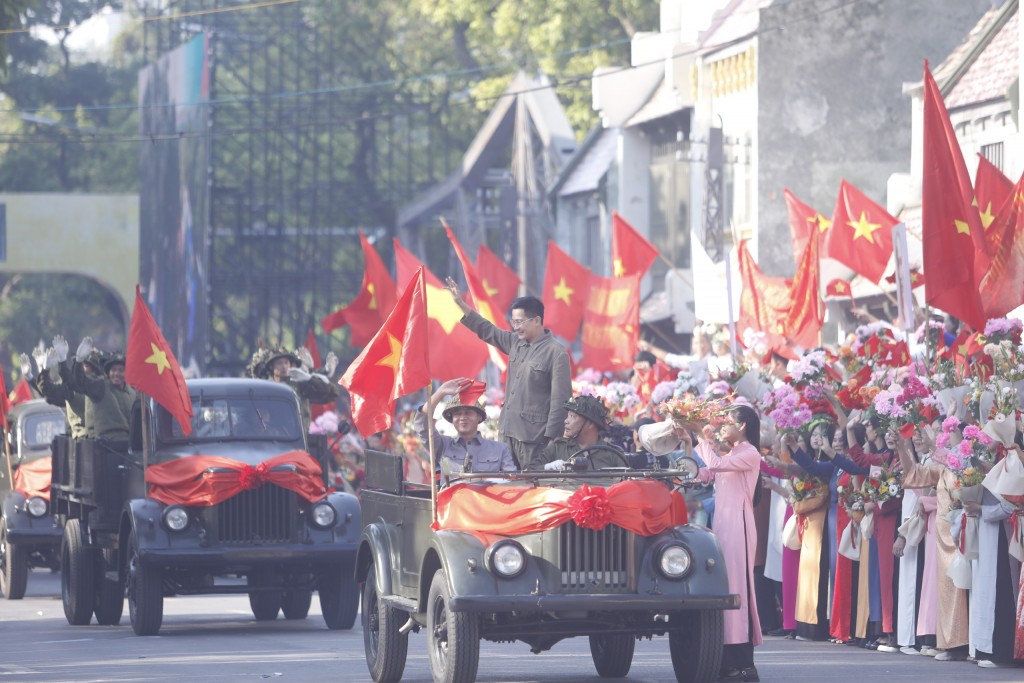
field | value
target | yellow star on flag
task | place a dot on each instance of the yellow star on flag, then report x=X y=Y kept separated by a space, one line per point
x=373 y=296
x=840 y=286
x=823 y=223
x=442 y=308
x=159 y=359
x=618 y=269
x=987 y=216
x=491 y=291
x=394 y=356
x=962 y=227
x=962 y=349
x=862 y=228
x=563 y=292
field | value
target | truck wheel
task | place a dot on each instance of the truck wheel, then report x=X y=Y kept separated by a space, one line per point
x=13 y=567
x=77 y=575
x=386 y=648
x=145 y=593
x=295 y=604
x=695 y=642
x=265 y=605
x=339 y=600
x=109 y=593
x=452 y=637
x=612 y=654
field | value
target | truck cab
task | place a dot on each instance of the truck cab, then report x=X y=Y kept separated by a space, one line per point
x=240 y=505
x=29 y=533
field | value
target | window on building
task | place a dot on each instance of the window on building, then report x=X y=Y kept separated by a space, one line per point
x=670 y=207
x=994 y=153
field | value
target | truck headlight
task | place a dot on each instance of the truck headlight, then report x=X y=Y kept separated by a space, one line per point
x=507 y=559
x=322 y=515
x=674 y=561
x=176 y=518
x=36 y=506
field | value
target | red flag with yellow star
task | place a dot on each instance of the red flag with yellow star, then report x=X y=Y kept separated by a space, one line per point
x=631 y=252
x=861 y=233
x=394 y=363
x=366 y=313
x=839 y=287
x=954 y=246
x=565 y=287
x=150 y=366
x=611 y=322
x=802 y=220
x=480 y=298
x=500 y=281
x=805 y=315
x=454 y=350
x=992 y=190
x=764 y=299
x=1002 y=288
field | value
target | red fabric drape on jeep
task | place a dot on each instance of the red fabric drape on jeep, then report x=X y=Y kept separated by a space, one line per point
x=643 y=507
x=33 y=478
x=190 y=481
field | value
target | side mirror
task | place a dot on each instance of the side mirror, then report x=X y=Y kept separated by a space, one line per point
x=689 y=467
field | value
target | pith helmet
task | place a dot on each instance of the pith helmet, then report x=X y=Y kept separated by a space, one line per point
x=590 y=408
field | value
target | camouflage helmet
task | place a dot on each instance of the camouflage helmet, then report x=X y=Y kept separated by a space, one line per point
x=455 y=402
x=112 y=358
x=589 y=408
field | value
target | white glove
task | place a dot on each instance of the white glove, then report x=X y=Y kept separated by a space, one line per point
x=84 y=349
x=305 y=357
x=39 y=353
x=52 y=364
x=555 y=466
x=331 y=363
x=298 y=375
x=61 y=345
x=26 y=367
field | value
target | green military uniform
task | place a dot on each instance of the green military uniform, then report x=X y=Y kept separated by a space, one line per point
x=313 y=390
x=108 y=409
x=563 y=449
x=61 y=395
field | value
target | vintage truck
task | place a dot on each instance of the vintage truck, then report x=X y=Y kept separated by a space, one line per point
x=29 y=533
x=537 y=557
x=238 y=506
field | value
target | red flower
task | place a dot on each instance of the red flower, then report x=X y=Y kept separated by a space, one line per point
x=250 y=477
x=589 y=507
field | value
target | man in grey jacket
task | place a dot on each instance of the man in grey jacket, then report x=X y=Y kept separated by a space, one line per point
x=538 y=382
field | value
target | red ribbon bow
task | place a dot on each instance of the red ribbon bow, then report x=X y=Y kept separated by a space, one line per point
x=589 y=507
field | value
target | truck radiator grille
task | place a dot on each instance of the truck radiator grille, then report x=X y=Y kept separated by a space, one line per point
x=595 y=561
x=264 y=515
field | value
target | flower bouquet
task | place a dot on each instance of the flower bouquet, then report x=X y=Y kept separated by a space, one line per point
x=621 y=399
x=883 y=485
x=851 y=392
x=813 y=369
x=998 y=330
x=692 y=413
x=786 y=408
x=808 y=494
x=967 y=464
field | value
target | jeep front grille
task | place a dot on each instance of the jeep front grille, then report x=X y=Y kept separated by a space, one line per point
x=263 y=515
x=595 y=561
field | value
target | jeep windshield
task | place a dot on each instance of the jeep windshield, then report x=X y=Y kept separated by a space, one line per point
x=38 y=430
x=235 y=419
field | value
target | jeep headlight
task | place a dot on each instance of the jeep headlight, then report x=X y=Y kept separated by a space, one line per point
x=507 y=559
x=322 y=515
x=36 y=506
x=176 y=518
x=674 y=561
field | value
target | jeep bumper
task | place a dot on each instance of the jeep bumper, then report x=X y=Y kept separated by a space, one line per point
x=591 y=603
x=232 y=558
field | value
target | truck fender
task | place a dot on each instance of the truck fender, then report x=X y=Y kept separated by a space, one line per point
x=15 y=515
x=350 y=520
x=375 y=547
x=451 y=552
x=142 y=515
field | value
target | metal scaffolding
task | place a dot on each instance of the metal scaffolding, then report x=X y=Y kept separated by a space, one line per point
x=301 y=156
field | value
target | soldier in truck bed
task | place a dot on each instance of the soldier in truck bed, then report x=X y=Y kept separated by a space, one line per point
x=55 y=382
x=281 y=365
x=585 y=421
x=108 y=398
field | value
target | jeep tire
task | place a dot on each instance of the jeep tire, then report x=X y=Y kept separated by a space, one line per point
x=295 y=604
x=145 y=593
x=453 y=638
x=13 y=566
x=386 y=648
x=265 y=604
x=77 y=574
x=695 y=642
x=339 y=599
x=109 y=592
x=612 y=654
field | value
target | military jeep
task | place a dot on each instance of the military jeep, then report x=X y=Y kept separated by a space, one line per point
x=537 y=557
x=249 y=512
x=29 y=533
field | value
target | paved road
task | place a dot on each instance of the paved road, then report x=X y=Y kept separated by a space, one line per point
x=214 y=638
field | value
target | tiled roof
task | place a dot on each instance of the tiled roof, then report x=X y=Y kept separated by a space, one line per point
x=994 y=70
x=586 y=173
x=662 y=102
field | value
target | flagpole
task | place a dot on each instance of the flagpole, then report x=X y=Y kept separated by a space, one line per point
x=728 y=305
x=7 y=452
x=433 y=459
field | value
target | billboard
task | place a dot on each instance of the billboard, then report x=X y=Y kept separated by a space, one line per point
x=174 y=198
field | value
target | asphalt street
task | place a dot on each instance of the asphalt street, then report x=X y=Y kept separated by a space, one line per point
x=214 y=638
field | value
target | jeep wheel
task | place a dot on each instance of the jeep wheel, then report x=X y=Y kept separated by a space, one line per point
x=453 y=637
x=109 y=592
x=695 y=642
x=386 y=648
x=13 y=567
x=612 y=654
x=145 y=593
x=295 y=604
x=77 y=575
x=265 y=605
x=339 y=600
